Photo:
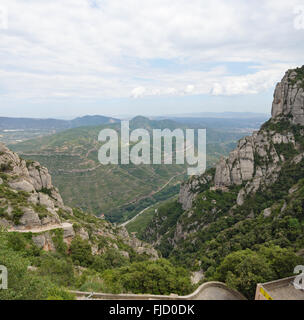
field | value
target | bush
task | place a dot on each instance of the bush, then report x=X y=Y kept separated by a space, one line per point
x=159 y=277
x=81 y=252
x=243 y=270
x=110 y=259
x=58 y=270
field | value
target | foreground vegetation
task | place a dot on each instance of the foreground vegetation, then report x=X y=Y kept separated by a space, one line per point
x=38 y=275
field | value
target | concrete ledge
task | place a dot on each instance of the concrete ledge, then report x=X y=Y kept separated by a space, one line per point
x=201 y=293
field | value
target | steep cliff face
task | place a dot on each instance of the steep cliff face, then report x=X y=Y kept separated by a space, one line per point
x=189 y=190
x=252 y=197
x=289 y=97
x=28 y=198
x=30 y=203
x=258 y=159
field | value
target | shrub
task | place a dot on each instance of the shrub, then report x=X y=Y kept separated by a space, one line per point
x=81 y=252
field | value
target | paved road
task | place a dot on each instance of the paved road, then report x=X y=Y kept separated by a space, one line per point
x=142 y=211
x=43 y=229
x=208 y=291
x=215 y=293
x=153 y=193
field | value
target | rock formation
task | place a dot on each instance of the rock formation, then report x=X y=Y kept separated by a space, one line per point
x=30 y=203
x=257 y=160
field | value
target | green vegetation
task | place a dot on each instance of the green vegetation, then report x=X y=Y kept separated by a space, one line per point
x=17 y=201
x=165 y=218
x=5 y=167
x=239 y=244
x=119 y=192
x=158 y=277
x=127 y=212
x=140 y=224
x=233 y=230
x=242 y=270
x=15 y=253
x=52 y=274
x=299 y=77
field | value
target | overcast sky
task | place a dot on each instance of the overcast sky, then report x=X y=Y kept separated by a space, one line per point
x=64 y=58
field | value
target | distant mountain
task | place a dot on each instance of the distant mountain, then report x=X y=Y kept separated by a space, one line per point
x=222 y=115
x=31 y=123
x=91 y=121
x=221 y=121
x=7 y=123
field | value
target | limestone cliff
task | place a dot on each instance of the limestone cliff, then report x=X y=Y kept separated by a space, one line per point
x=257 y=160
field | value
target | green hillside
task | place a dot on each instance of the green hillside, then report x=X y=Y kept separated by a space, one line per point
x=243 y=222
x=120 y=191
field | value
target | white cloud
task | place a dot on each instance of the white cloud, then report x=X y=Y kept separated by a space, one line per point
x=171 y=91
x=138 y=92
x=189 y=89
x=94 y=49
x=250 y=84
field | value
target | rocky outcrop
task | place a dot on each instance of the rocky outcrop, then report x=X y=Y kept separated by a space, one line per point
x=44 y=241
x=30 y=203
x=139 y=246
x=239 y=166
x=257 y=159
x=289 y=97
x=36 y=202
x=191 y=188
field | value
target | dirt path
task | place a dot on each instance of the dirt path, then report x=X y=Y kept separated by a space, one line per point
x=43 y=229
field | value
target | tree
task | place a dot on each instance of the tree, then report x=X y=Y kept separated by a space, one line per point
x=159 y=277
x=282 y=261
x=242 y=270
x=81 y=252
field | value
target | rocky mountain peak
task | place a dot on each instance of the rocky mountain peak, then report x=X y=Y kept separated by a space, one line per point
x=289 y=97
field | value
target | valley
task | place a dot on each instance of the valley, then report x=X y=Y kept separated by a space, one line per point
x=151 y=151
x=240 y=223
x=118 y=192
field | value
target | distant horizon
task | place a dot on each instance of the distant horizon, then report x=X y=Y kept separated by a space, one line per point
x=129 y=116
x=98 y=57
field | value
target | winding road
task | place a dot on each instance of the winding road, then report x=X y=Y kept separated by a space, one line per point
x=151 y=194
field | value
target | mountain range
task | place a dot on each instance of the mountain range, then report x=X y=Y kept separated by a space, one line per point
x=118 y=192
x=7 y=123
x=241 y=222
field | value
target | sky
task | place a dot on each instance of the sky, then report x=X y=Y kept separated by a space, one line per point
x=67 y=58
